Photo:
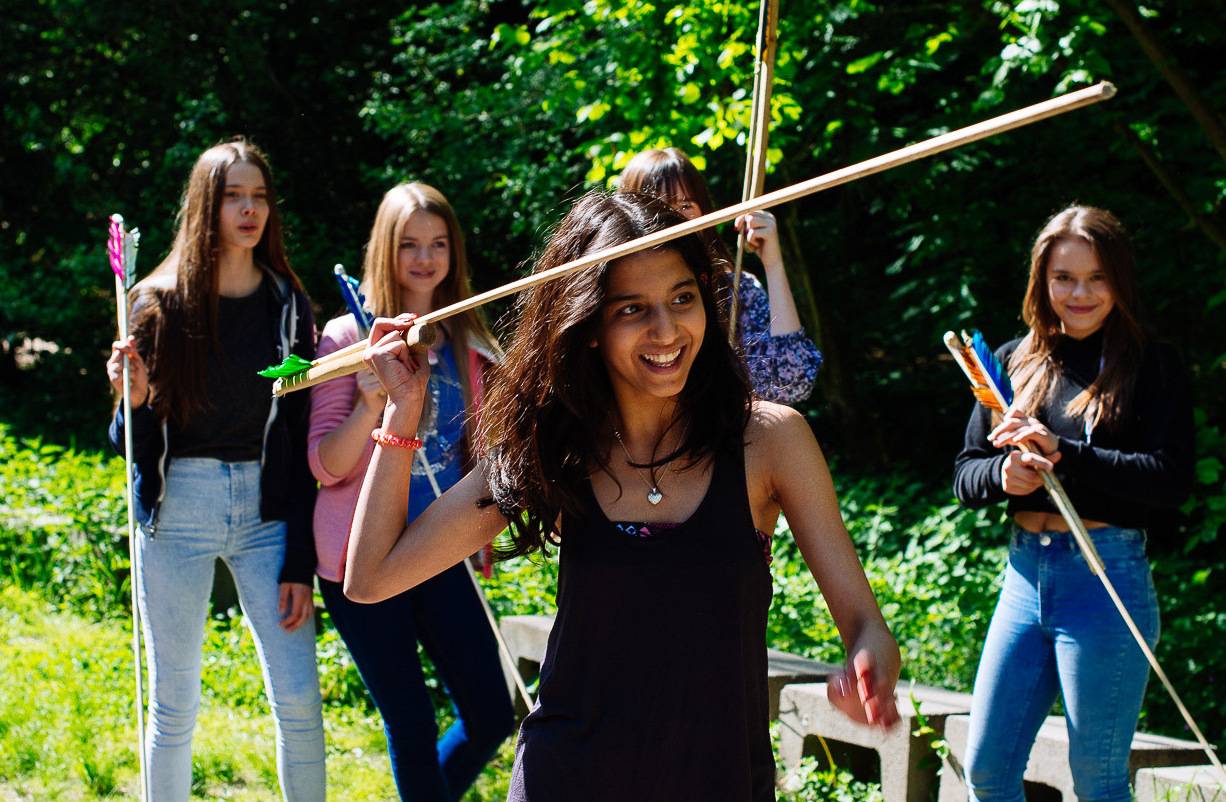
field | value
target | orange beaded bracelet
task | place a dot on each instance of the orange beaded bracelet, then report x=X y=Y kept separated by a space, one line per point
x=389 y=440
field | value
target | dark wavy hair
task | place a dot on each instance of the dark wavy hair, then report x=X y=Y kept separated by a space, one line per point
x=547 y=423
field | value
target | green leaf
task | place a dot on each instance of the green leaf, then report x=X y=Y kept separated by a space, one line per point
x=1208 y=470
x=862 y=64
x=592 y=111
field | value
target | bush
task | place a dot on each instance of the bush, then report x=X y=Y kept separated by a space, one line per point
x=63 y=525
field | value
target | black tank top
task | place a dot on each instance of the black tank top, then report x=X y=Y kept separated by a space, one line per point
x=653 y=686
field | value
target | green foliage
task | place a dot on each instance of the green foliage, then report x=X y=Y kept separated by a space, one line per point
x=932 y=564
x=106 y=108
x=512 y=107
x=809 y=782
x=1206 y=508
x=63 y=524
x=546 y=98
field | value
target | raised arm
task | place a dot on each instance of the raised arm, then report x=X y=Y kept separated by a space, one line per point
x=384 y=557
x=762 y=237
x=798 y=479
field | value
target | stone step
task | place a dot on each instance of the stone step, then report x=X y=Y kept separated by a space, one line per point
x=1180 y=784
x=1048 y=764
x=908 y=769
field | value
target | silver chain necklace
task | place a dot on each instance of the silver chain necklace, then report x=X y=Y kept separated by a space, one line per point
x=654 y=496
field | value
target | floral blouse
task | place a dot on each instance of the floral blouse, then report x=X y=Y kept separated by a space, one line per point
x=784 y=368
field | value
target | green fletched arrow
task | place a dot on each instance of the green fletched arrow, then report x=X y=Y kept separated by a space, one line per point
x=292 y=366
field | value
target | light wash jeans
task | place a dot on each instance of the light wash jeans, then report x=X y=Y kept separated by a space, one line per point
x=1055 y=630
x=211 y=509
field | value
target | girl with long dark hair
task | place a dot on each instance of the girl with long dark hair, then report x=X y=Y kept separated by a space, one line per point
x=220 y=465
x=783 y=361
x=415 y=262
x=1109 y=410
x=621 y=429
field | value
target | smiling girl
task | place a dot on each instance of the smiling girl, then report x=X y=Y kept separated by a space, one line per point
x=1108 y=409
x=220 y=465
x=783 y=361
x=415 y=262
x=621 y=428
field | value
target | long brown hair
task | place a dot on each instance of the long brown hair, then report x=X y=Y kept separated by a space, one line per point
x=174 y=309
x=380 y=286
x=549 y=418
x=1032 y=367
x=669 y=173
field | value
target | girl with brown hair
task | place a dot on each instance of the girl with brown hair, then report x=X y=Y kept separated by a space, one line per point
x=415 y=262
x=1109 y=410
x=621 y=429
x=783 y=361
x=220 y=465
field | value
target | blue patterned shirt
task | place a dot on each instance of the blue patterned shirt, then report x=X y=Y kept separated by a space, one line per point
x=783 y=368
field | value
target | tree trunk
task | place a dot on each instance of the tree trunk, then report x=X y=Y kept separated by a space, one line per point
x=815 y=307
x=1206 y=224
x=1209 y=121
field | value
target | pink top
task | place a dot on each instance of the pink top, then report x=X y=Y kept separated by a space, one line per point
x=331 y=404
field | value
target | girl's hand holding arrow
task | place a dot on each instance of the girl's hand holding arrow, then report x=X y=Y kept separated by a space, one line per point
x=138 y=374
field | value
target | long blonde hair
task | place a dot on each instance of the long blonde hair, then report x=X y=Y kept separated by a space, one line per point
x=1031 y=367
x=465 y=330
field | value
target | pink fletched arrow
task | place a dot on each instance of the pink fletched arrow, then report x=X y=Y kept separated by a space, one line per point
x=114 y=247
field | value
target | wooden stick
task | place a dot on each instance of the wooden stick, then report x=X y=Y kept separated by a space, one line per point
x=345 y=361
x=334 y=365
x=759 y=135
x=127 y=248
x=1055 y=489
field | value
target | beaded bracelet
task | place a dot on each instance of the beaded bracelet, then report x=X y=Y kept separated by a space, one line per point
x=389 y=440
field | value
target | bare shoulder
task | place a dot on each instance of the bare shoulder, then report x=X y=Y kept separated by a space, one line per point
x=772 y=424
x=778 y=440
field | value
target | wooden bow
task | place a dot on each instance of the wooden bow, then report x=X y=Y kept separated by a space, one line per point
x=759 y=135
x=349 y=360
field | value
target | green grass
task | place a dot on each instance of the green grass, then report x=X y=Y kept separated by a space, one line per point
x=66 y=716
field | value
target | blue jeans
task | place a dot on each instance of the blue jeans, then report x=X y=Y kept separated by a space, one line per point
x=1055 y=630
x=211 y=509
x=445 y=614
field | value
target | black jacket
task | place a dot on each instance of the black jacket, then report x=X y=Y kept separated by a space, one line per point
x=287 y=488
x=1134 y=474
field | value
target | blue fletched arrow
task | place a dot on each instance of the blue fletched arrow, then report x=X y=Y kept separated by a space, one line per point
x=995 y=370
x=354 y=299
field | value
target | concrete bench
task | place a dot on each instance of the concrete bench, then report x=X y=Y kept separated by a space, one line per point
x=527 y=636
x=1180 y=784
x=908 y=766
x=1048 y=764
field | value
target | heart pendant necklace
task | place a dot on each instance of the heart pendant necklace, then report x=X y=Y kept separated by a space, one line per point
x=654 y=496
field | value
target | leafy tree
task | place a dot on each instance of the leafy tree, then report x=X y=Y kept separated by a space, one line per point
x=105 y=109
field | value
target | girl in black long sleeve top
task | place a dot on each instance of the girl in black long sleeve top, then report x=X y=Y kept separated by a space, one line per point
x=1109 y=410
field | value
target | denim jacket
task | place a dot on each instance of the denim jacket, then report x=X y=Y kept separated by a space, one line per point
x=287 y=488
